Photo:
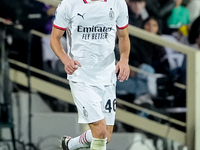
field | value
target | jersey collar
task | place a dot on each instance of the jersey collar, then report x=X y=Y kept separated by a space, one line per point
x=88 y=1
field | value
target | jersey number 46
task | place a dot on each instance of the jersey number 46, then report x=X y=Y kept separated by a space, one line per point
x=111 y=105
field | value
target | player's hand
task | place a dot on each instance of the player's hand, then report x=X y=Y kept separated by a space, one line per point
x=71 y=66
x=122 y=68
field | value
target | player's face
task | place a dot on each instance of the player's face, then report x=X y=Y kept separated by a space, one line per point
x=151 y=26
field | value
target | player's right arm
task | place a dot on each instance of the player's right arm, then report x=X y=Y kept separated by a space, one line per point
x=70 y=65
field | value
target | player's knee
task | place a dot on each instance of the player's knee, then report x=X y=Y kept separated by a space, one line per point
x=102 y=134
x=99 y=129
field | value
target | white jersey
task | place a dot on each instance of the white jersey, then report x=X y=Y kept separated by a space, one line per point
x=91 y=28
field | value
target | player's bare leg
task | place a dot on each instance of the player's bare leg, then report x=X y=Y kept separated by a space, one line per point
x=82 y=141
x=86 y=138
x=99 y=129
x=99 y=132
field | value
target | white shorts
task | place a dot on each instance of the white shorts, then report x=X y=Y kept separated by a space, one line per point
x=94 y=103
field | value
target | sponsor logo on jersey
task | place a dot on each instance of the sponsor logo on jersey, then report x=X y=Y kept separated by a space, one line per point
x=94 y=32
x=81 y=15
x=93 y=29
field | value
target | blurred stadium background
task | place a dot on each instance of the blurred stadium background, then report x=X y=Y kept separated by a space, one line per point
x=36 y=106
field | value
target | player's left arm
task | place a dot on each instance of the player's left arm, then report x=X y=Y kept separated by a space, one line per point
x=124 y=46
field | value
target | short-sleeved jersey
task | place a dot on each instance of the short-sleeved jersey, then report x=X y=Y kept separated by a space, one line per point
x=91 y=29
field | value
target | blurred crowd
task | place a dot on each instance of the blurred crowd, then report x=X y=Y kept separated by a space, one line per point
x=154 y=89
x=173 y=21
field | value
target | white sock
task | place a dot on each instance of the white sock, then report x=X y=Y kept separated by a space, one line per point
x=81 y=141
x=98 y=144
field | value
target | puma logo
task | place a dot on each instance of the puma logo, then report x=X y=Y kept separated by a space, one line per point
x=81 y=15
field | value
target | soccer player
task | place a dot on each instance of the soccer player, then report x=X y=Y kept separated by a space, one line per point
x=91 y=27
